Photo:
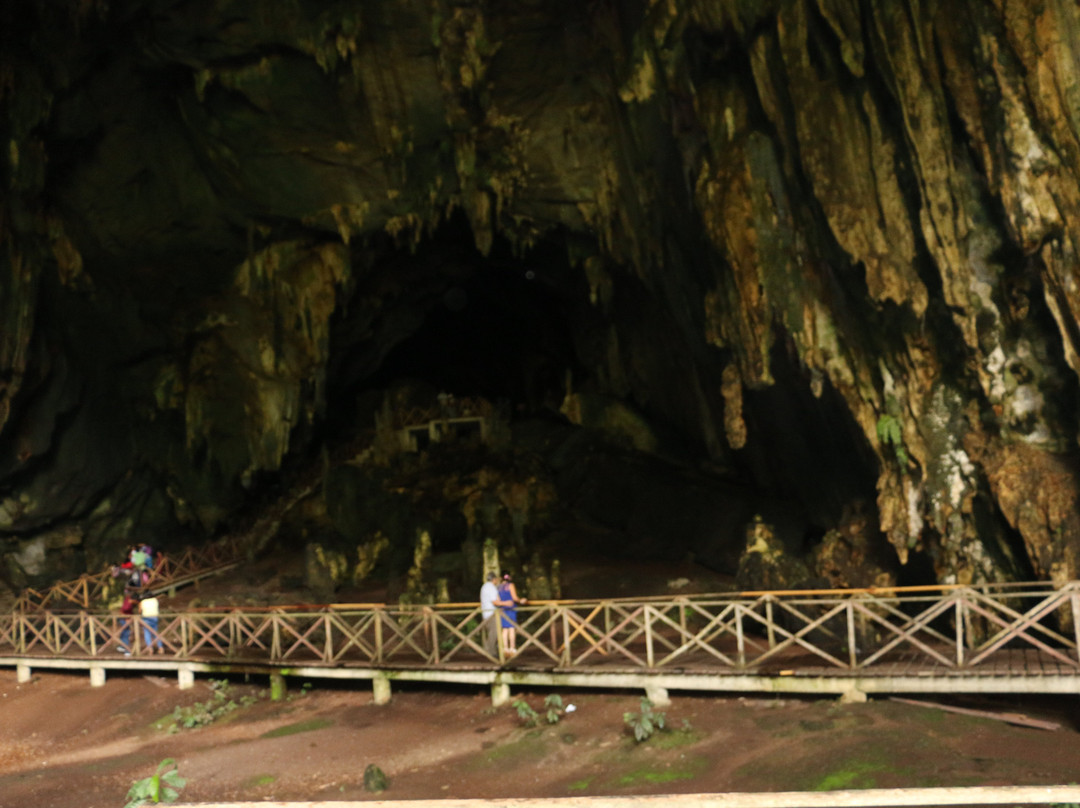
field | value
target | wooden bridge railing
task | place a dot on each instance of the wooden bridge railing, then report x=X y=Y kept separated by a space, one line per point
x=92 y=588
x=946 y=628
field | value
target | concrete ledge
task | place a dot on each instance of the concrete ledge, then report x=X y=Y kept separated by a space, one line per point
x=862 y=798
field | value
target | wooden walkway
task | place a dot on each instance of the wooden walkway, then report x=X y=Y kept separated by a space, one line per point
x=1018 y=638
x=170 y=572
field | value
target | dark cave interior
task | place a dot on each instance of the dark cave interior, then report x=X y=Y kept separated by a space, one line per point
x=511 y=327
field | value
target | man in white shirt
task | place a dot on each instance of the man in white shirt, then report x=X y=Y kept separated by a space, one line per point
x=489 y=599
x=148 y=611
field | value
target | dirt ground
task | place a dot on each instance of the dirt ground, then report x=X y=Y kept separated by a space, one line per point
x=63 y=743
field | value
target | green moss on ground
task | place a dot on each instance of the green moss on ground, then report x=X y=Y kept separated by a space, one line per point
x=676 y=739
x=686 y=769
x=533 y=745
x=300 y=726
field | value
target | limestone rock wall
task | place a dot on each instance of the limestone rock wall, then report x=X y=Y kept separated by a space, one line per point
x=824 y=241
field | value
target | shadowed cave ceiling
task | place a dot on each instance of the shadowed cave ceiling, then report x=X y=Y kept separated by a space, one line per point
x=813 y=261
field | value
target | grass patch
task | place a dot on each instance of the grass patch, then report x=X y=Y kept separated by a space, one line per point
x=300 y=726
x=259 y=780
x=858 y=762
x=533 y=745
x=675 y=739
x=580 y=785
x=685 y=769
x=857 y=774
x=640 y=776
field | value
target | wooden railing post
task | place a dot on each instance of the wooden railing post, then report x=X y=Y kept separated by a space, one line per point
x=431 y=629
x=379 y=637
x=960 y=618
x=87 y=627
x=770 y=628
x=740 y=637
x=566 y=635
x=275 y=637
x=328 y=645
x=649 y=658
x=849 y=610
x=1074 y=602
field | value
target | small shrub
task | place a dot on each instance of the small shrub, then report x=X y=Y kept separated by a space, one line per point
x=553 y=705
x=374 y=779
x=553 y=711
x=526 y=713
x=645 y=723
x=162 y=786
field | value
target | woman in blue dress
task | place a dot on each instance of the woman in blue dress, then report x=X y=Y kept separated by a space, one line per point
x=508 y=614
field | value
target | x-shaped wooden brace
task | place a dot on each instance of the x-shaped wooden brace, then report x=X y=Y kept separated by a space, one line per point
x=907 y=631
x=1017 y=629
x=288 y=624
x=351 y=627
x=252 y=627
x=584 y=628
x=207 y=632
x=599 y=639
x=67 y=630
x=403 y=635
x=798 y=637
x=465 y=641
x=36 y=630
x=7 y=632
x=529 y=638
x=703 y=637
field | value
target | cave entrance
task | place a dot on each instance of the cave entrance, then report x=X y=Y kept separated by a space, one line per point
x=497 y=327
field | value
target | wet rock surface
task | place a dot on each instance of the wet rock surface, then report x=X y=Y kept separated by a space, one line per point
x=750 y=259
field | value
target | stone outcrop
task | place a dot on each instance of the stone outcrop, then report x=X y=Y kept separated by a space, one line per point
x=823 y=249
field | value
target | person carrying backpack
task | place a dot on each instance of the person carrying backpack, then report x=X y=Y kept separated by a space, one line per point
x=127 y=607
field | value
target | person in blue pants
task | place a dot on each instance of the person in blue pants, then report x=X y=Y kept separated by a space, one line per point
x=127 y=608
x=148 y=610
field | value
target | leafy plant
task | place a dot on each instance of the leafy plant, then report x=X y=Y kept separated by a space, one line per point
x=162 y=786
x=553 y=705
x=305 y=688
x=646 y=722
x=207 y=712
x=553 y=711
x=526 y=713
x=889 y=433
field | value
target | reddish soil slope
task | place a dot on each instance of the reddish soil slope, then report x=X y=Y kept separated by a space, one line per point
x=63 y=743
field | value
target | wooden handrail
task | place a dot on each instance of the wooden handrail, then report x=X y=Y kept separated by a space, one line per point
x=963 y=629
